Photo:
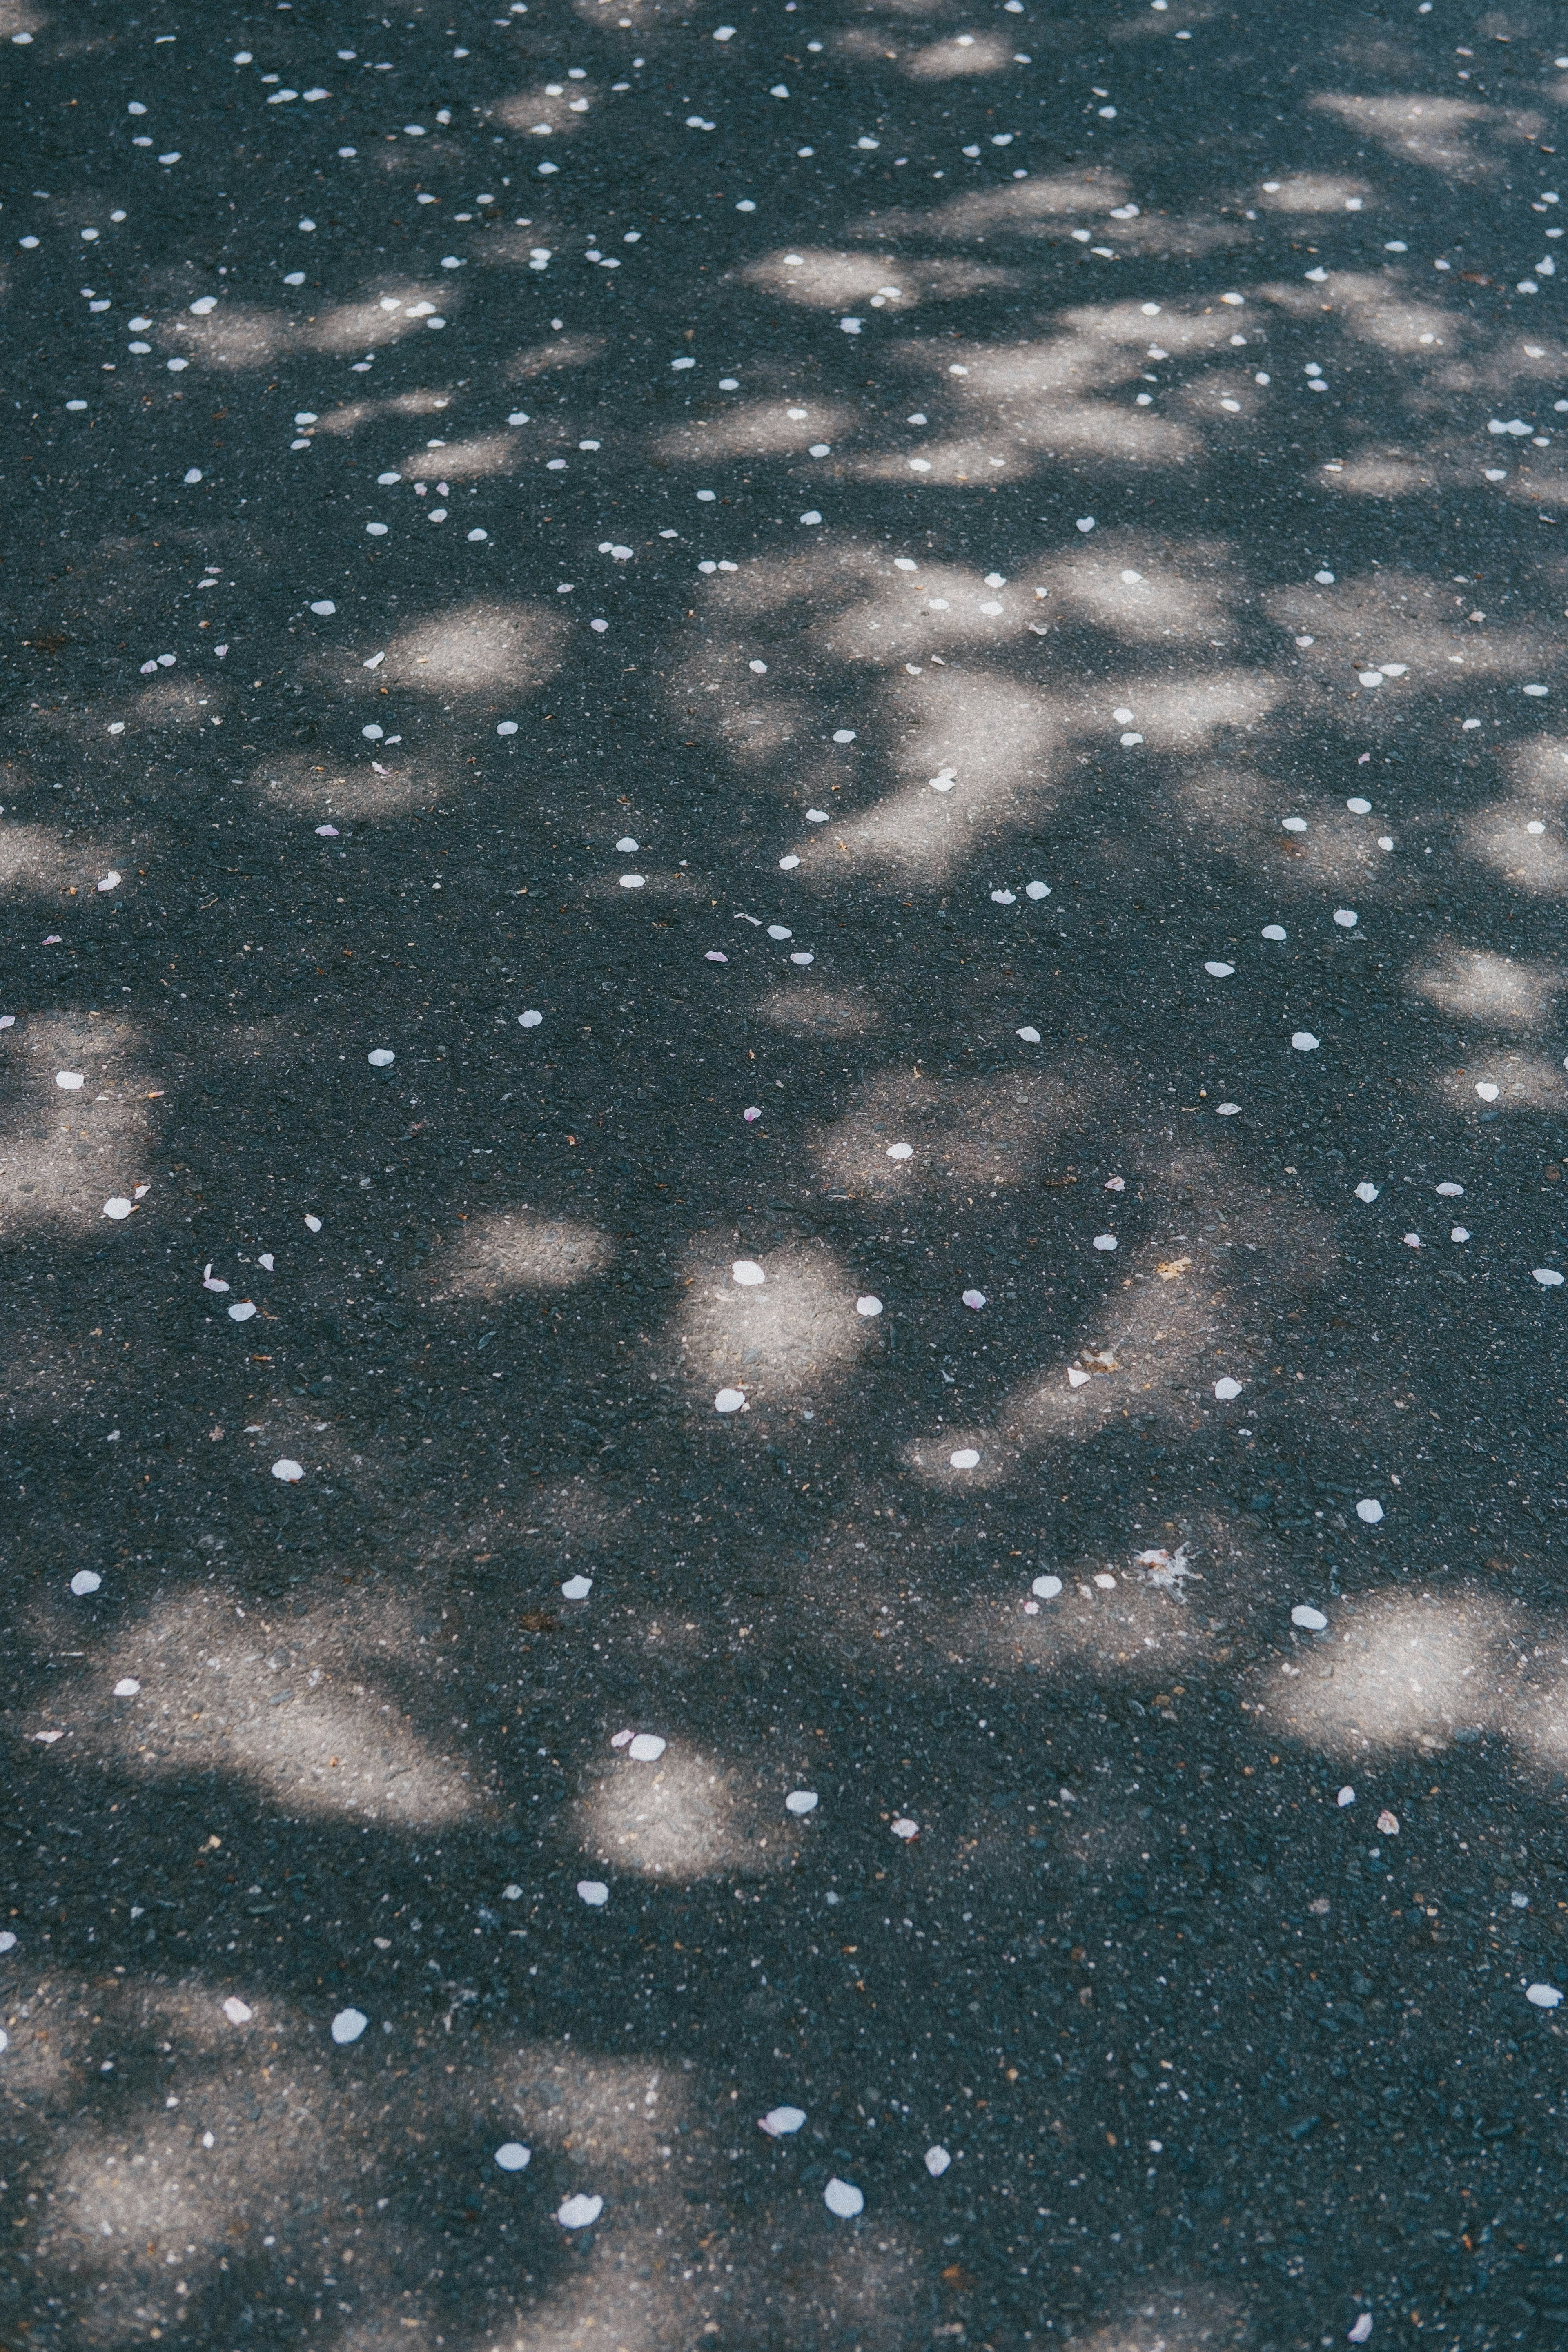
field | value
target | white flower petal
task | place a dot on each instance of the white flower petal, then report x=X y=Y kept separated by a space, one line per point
x=580 y=2212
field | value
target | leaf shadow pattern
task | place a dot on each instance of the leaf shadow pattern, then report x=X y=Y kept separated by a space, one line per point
x=1030 y=706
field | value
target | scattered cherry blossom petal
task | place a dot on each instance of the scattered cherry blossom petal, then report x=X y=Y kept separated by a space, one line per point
x=580 y=2212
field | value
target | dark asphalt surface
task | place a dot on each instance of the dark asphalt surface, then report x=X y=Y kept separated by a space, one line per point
x=815 y=1049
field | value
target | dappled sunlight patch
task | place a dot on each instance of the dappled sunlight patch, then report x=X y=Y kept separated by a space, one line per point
x=1375 y=313
x=175 y=698
x=1152 y=1346
x=940 y=604
x=238 y=335
x=548 y=114
x=352 y=413
x=758 y=429
x=1193 y=713
x=480 y=648
x=1035 y=206
x=464 y=461
x=510 y=1250
x=1406 y=1668
x=796 y=1328
x=46 y=860
x=835 y=281
x=561 y=351
x=1190 y=2316
x=1385 y=477
x=299 y=787
x=150 y=2185
x=1140 y=589
x=1448 y=136
x=65 y=1150
x=972 y=54
x=679 y=1818
x=904 y=1132
x=1243 y=810
x=1312 y=192
x=1041 y=396
x=1496 y=992
x=1506 y=838
x=1003 y=739
x=1523 y=839
x=219 y=1701
x=1524 y=1082
x=804 y=1011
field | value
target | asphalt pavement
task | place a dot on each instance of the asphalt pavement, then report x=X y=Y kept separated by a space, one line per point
x=782 y=1133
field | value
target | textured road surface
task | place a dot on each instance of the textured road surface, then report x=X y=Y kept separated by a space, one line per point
x=793 y=1037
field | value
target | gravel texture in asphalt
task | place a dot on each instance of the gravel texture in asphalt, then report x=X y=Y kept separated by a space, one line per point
x=782 y=1134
